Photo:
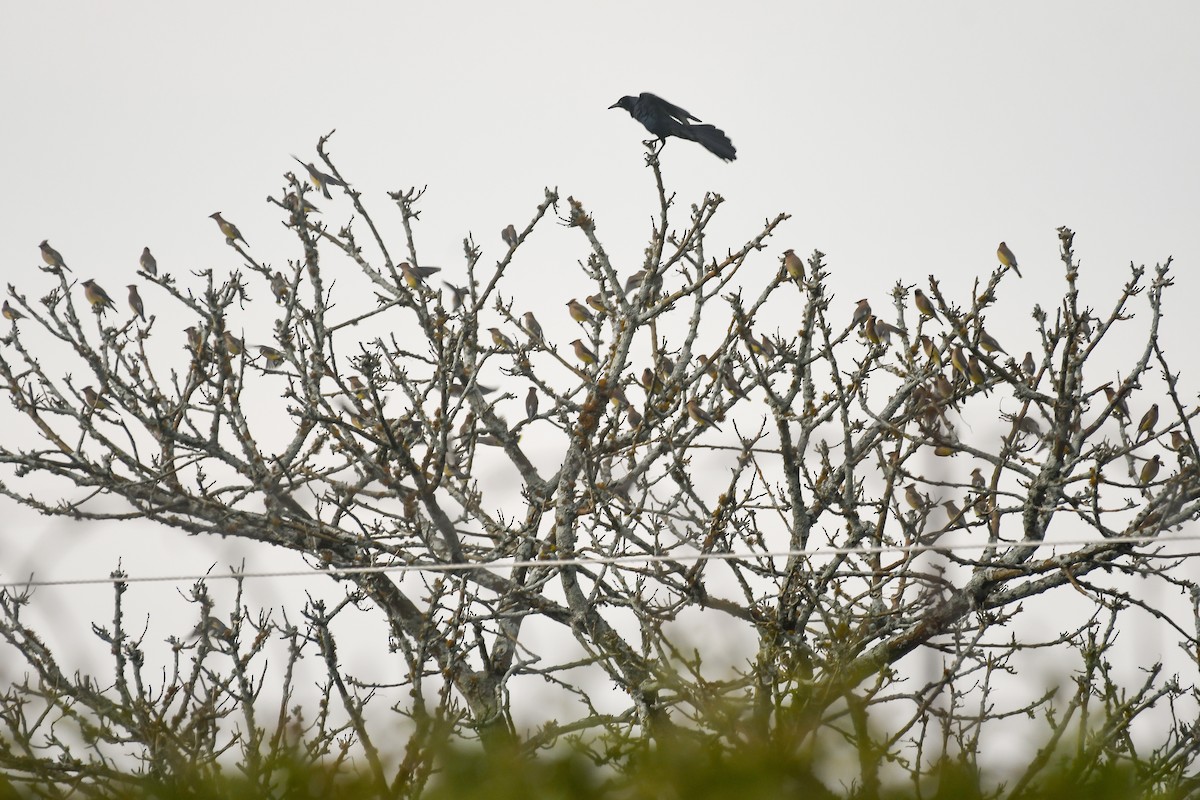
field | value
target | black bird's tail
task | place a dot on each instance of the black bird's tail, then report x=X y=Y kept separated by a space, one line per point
x=710 y=137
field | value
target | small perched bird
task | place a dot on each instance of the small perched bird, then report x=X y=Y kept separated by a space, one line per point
x=232 y=234
x=931 y=350
x=914 y=498
x=1150 y=470
x=793 y=264
x=532 y=327
x=698 y=415
x=1120 y=407
x=989 y=344
x=1149 y=420
x=578 y=312
x=97 y=296
x=633 y=416
x=584 y=355
x=52 y=257
x=194 y=339
x=977 y=479
x=233 y=345
x=958 y=360
x=279 y=287
x=11 y=313
x=320 y=180
x=1007 y=258
x=861 y=312
x=293 y=202
x=509 y=235
x=501 y=341
x=531 y=403
x=135 y=302
x=358 y=387
x=924 y=306
x=597 y=303
x=664 y=119
x=273 y=357
x=147 y=262
x=975 y=371
x=94 y=400
x=1028 y=366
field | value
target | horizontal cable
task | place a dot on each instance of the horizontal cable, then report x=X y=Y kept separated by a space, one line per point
x=589 y=561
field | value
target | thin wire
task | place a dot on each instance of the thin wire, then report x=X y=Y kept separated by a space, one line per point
x=646 y=559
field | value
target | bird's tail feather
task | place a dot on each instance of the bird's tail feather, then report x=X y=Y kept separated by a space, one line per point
x=711 y=138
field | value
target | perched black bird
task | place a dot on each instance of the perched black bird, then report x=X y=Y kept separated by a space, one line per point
x=663 y=119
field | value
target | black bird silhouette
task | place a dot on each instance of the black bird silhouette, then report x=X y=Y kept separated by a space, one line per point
x=664 y=119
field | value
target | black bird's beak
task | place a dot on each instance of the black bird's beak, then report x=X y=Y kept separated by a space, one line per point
x=616 y=104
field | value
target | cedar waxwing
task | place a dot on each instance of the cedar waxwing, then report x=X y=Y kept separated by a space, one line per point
x=708 y=366
x=752 y=344
x=634 y=416
x=870 y=331
x=458 y=294
x=953 y=512
x=943 y=387
x=52 y=257
x=320 y=180
x=578 y=312
x=1007 y=258
x=415 y=276
x=11 y=313
x=649 y=380
x=213 y=628
x=1150 y=470
x=135 y=302
x=293 y=202
x=914 y=498
x=94 y=400
x=97 y=297
x=233 y=345
x=1178 y=441
x=232 y=234
x=729 y=381
x=977 y=479
x=793 y=264
x=988 y=344
x=501 y=341
x=924 y=306
x=767 y=346
x=618 y=397
x=861 y=312
x=531 y=403
x=1149 y=420
x=584 y=355
x=279 y=287
x=357 y=387
x=958 y=360
x=532 y=327
x=195 y=340
x=634 y=281
x=147 y=262
x=1028 y=366
x=698 y=414
x=274 y=357
x=885 y=330
x=1120 y=407
x=931 y=350
x=597 y=302
x=509 y=235
x=1028 y=424
x=975 y=371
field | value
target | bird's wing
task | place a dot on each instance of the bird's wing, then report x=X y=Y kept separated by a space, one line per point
x=672 y=109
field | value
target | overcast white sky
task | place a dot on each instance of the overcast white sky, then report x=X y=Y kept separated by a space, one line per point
x=905 y=139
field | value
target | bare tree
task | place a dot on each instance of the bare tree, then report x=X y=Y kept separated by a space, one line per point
x=827 y=528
